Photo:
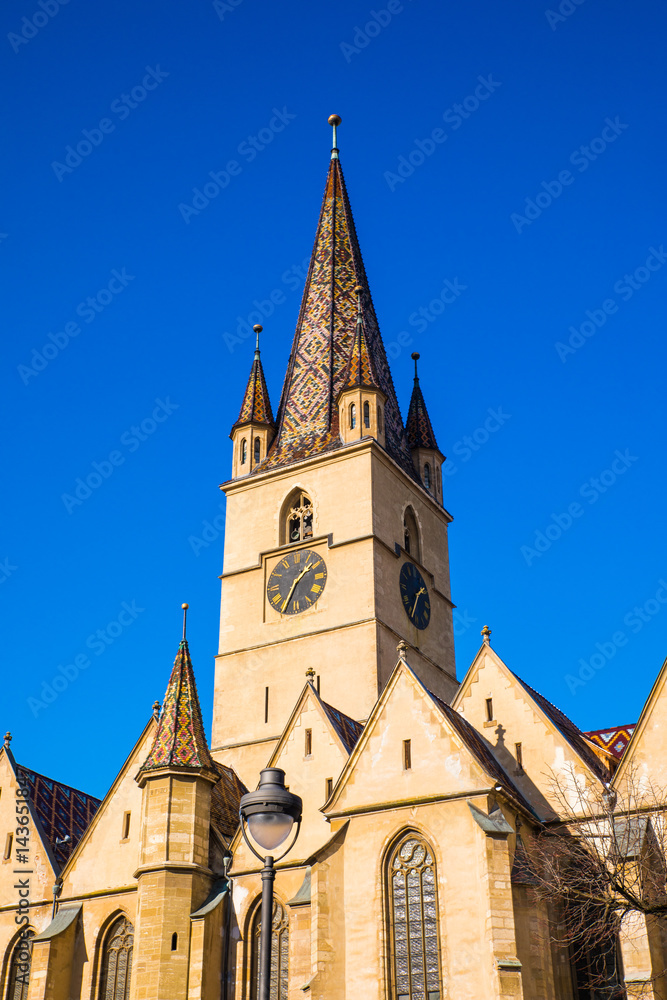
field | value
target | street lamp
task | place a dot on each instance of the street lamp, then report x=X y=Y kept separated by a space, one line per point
x=269 y=814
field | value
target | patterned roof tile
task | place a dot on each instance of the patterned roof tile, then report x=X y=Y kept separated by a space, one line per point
x=614 y=740
x=418 y=428
x=348 y=729
x=61 y=810
x=225 y=798
x=360 y=371
x=256 y=406
x=180 y=741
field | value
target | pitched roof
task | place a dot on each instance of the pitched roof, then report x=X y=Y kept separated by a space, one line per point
x=180 y=741
x=62 y=811
x=614 y=740
x=256 y=406
x=308 y=416
x=347 y=729
x=568 y=730
x=225 y=798
x=360 y=371
x=418 y=428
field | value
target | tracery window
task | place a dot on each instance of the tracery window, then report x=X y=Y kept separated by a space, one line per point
x=367 y=415
x=299 y=518
x=19 y=968
x=413 y=921
x=117 y=961
x=427 y=476
x=257 y=451
x=353 y=415
x=244 y=451
x=279 y=953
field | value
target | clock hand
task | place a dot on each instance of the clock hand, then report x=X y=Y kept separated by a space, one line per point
x=419 y=593
x=293 y=587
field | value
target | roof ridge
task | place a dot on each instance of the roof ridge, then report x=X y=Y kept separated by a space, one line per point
x=418 y=427
x=256 y=405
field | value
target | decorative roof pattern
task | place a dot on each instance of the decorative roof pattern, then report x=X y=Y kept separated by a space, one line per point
x=613 y=740
x=180 y=741
x=347 y=729
x=569 y=731
x=308 y=416
x=256 y=406
x=360 y=371
x=418 y=428
x=225 y=798
x=62 y=811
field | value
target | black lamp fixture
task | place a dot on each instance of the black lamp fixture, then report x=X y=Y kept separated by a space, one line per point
x=268 y=815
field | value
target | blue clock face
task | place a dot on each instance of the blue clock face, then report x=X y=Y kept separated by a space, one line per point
x=414 y=596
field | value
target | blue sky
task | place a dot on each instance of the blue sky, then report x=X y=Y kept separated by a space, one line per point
x=514 y=150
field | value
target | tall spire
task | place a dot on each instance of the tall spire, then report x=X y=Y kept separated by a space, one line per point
x=256 y=406
x=307 y=417
x=180 y=741
x=418 y=428
x=360 y=370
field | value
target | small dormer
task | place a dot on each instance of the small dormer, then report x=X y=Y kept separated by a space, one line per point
x=426 y=455
x=360 y=401
x=255 y=429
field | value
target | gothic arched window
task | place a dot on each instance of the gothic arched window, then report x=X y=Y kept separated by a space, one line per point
x=353 y=415
x=257 y=451
x=279 y=953
x=413 y=921
x=367 y=415
x=427 y=476
x=117 y=961
x=19 y=968
x=299 y=518
x=411 y=534
x=244 y=451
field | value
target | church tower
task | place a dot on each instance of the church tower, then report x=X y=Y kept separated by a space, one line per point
x=335 y=545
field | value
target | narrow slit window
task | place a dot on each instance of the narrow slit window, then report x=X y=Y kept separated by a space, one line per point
x=367 y=415
x=489 y=709
x=353 y=415
x=379 y=419
x=8 y=846
x=174 y=941
x=266 y=704
x=309 y=742
x=126 y=825
x=257 y=451
x=244 y=451
x=318 y=684
x=328 y=787
x=519 y=756
x=427 y=476
x=407 y=755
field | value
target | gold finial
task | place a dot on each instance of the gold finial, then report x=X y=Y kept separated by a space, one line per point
x=334 y=120
x=156 y=710
x=415 y=358
x=310 y=674
x=8 y=740
x=486 y=634
x=185 y=617
x=257 y=329
x=402 y=649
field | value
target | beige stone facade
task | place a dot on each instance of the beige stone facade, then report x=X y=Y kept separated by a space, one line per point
x=410 y=878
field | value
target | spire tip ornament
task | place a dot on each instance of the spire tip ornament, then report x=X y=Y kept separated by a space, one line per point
x=486 y=635
x=310 y=674
x=156 y=710
x=8 y=740
x=335 y=121
x=185 y=617
x=257 y=329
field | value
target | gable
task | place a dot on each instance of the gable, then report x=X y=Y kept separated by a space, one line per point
x=552 y=749
x=41 y=860
x=645 y=754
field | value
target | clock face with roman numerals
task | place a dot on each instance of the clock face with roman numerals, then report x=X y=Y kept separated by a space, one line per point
x=414 y=596
x=296 y=582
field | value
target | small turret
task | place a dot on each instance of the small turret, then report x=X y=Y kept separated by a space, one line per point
x=360 y=400
x=255 y=429
x=426 y=455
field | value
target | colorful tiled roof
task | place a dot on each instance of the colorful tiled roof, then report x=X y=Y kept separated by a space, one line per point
x=360 y=371
x=62 y=811
x=418 y=428
x=570 y=732
x=348 y=730
x=225 y=799
x=308 y=416
x=256 y=406
x=180 y=741
x=613 y=740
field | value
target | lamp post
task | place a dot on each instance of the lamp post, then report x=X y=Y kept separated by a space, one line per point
x=269 y=815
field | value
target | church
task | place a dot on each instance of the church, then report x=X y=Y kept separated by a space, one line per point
x=412 y=876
